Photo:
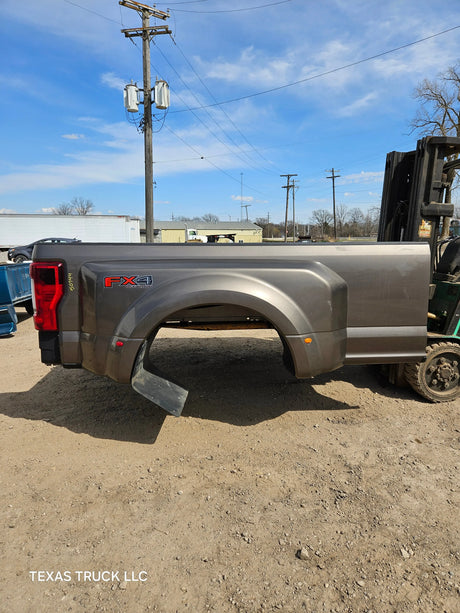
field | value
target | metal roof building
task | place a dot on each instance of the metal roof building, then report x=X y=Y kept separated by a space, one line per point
x=180 y=231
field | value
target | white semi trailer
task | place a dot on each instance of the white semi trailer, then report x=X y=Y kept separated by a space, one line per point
x=24 y=229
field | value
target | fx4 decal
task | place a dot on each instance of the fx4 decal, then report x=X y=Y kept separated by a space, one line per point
x=135 y=280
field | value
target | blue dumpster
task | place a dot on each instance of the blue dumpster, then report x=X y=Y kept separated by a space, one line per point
x=15 y=290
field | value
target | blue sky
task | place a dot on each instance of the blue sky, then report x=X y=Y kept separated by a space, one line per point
x=65 y=132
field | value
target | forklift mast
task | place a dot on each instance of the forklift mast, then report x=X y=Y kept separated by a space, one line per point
x=414 y=192
x=415 y=203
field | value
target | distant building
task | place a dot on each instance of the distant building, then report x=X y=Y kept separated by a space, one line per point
x=221 y=231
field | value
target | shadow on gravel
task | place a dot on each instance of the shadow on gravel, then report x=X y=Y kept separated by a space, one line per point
x=22 y=315
x=240 y=381
x=88 y=404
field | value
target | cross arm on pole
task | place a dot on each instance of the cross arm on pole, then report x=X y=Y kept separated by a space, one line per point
x=152 y=30
x=137 y=6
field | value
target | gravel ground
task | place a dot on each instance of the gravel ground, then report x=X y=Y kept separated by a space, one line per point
x=268 y=494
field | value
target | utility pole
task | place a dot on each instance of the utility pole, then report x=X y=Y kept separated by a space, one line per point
x=333 y=177
x=245 y=206
x=293 y=210
x=241 y=199
x=287 y=187
x=147 y=32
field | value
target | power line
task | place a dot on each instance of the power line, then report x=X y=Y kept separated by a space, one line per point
x=200 y=156
x=212 y=133
x=215 y=100
x=249 y=8
x=187 y=2
x=204 y=108
x=206 y=159
x=327 y=72
x=84 y=8
x=210 y=116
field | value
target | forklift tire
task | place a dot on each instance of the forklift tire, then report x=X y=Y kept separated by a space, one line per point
x=437 y=378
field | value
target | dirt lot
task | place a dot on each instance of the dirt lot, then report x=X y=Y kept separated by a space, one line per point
x=209 y=511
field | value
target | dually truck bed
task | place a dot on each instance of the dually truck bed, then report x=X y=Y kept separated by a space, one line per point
x=332 y=304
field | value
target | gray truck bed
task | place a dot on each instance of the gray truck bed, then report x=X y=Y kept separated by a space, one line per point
x=331 y=304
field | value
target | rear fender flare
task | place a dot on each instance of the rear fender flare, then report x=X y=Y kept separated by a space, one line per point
x=147 y=314
x=325 y=350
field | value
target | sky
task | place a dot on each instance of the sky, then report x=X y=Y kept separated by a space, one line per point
x=259 y=88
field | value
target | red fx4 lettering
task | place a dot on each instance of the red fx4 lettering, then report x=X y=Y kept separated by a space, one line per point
x=135 y=280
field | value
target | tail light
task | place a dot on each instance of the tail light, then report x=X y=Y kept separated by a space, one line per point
x=47 y=291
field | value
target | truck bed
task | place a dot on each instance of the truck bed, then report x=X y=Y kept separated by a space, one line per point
x=331 y=304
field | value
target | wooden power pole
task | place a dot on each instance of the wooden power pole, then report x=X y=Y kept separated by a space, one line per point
x=333 y=177
x=287 y=187
x=147 y=32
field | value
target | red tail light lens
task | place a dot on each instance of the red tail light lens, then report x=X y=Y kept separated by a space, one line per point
x=47 y=289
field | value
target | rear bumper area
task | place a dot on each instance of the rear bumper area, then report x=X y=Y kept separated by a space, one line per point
x=49 y=347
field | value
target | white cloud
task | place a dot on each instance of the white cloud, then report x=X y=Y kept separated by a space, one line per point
x=120 y=159
x=7 y=211
x=112 y=81
x=243 y=199
x=362 y=177
x=252 y=66
x=73 y=136
x=65 y=19
x=358 y=106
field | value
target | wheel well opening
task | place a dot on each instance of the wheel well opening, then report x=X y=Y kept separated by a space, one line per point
x=191 y=341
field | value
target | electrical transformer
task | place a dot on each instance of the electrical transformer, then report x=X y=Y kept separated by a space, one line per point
x=161 y=94
x=131 y=98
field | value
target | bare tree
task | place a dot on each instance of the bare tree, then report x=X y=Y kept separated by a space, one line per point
x=440 y=105
x=323 y=219
x=187 y=219
x=81 y=206
x=210 y=218
x=269 y=229
x=341 y=215
x=371 y=221
x=63 y=209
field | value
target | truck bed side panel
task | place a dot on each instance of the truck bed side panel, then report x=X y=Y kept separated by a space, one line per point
x=356 y=303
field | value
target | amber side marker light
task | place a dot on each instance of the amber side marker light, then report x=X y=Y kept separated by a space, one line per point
x=308 y=340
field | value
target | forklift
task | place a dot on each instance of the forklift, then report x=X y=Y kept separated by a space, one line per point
x=416 y=207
